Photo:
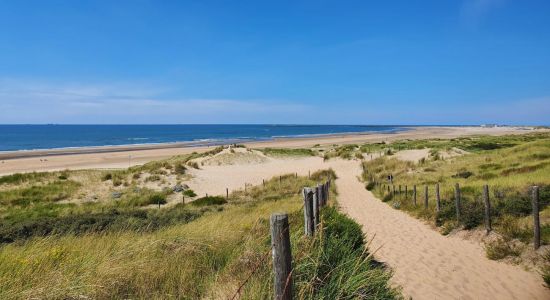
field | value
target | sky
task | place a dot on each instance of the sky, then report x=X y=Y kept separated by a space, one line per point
x=275 y=62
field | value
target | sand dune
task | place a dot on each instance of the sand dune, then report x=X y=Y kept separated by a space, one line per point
x=428 y=265
x=124 y=156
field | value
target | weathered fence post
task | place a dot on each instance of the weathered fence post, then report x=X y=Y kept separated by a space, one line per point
x=280 y=179
x=309 y=226
x=309 y=174
x=536 y=221
x=282 y=257
x=321 y=198
x=389 y=189
x=263 y=182
x=457 y=201
x=226 y=194
x=316 y=206
x=182 y=199
x=426 y=196
x=414 y=195
x=406 y=193
x=437 y=198
x=487 y=208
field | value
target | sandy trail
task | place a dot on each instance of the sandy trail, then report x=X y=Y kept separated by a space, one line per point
x=428 y=265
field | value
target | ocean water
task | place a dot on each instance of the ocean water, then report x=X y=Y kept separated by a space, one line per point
x=31 y=137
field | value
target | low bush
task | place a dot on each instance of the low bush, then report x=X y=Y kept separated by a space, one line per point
x=370 y=185
x=501 y=248
x=209 y=200
x=189 y=193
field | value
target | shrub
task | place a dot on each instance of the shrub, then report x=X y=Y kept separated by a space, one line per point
x=370 y=185
x=462 y=174
x=180 y=169
x=107 y=176
x=157 y=198
x=501 y=248
x=193 y=164
x=209 y=200
x=189 y=193
x=387 y=197
x=323 y=175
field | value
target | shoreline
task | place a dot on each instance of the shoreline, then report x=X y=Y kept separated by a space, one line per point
x=119 y=157
x=15 y=154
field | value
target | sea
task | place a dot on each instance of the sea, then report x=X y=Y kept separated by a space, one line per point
x=37 y=137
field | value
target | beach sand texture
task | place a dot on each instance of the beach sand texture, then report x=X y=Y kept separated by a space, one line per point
x=124 y=156
x=426 y=264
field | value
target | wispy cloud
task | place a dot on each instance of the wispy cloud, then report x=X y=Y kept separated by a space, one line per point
x=31 y=102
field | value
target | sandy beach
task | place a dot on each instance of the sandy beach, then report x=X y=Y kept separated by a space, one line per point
x=124 y=156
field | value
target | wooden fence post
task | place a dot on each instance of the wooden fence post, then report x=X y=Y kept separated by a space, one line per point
x=487 y=208
x=282 y=257
x=309 y=174
x=426 y=196
x=414 y=195
x=393 y=189
x=263 y=182
x=437 y=198
x=316 y=206
x=182 y=199
x=457 y=201
x=536 y=221
x=321 y=198
x=309 y=226
x=406 y=193
x=226 y=194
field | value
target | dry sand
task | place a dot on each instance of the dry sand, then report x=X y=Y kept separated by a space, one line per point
x=426 y=264
x=124 y=156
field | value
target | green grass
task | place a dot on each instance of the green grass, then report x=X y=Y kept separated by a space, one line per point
x=278 y=152
x=19 y=178
x=209 y=200
x=51 y=192
x=186 y=252
x=510 y=170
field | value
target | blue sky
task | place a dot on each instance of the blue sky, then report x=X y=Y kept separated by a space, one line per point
x=320 y=62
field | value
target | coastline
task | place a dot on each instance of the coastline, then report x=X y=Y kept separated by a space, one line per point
x=113 y=157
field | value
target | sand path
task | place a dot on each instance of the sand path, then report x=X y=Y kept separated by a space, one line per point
x=428 y=265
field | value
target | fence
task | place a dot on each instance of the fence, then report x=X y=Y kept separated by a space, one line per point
x=314 y=199
x=458 y=206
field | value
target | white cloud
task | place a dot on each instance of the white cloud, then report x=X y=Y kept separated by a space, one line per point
x=31 y=102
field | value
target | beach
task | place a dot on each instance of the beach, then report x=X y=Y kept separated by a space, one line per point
x=114 y=157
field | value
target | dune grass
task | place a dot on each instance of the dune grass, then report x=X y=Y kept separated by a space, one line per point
x=224 y=247
x=281 y=152
x=510 y=169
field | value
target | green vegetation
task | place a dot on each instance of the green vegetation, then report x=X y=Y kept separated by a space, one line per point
x=209 y=200
x=51 y=192
x=476 y=144
x=287 y=152
x=118 y=250
x=19 y=178
x=510 y=165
